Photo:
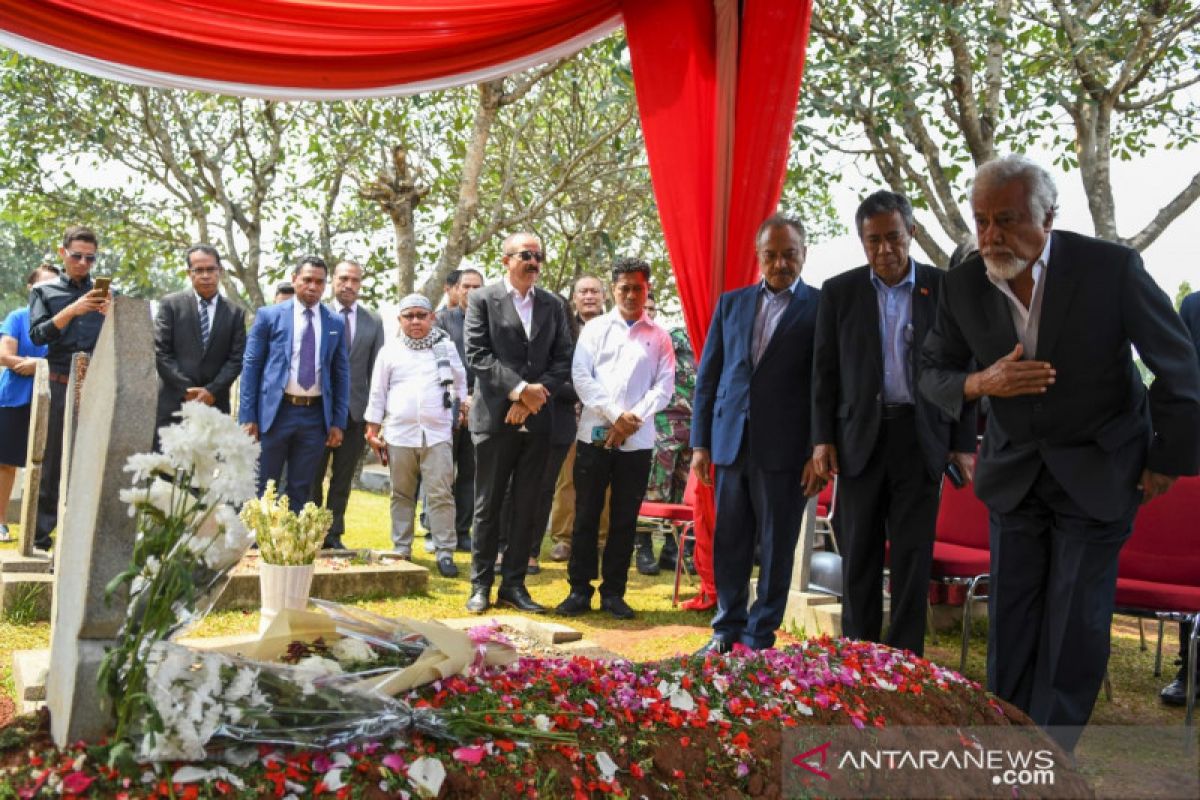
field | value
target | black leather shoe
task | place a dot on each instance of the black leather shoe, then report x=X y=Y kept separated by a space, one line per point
x=576 y=603
x=333 y=542
x=447 y=567
x=464 y=543
x=519 y=599
x=714 y=646
x=1175 y=692
x=645 y=559
x=478 y=602
x=617 y=607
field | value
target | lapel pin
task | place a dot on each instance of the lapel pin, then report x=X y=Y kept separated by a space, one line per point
x=924 y=290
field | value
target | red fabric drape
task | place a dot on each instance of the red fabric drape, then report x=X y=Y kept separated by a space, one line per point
x=673 y=48
x=331 y=44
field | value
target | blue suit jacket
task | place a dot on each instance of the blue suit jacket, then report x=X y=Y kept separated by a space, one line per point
x=268 y=358
x=771 y=403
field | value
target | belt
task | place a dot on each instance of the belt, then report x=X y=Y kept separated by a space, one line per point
x=60 y=377
x=301 y=399
x=898 y=410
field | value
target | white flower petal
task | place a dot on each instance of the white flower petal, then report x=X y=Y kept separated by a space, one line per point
x=427 y=774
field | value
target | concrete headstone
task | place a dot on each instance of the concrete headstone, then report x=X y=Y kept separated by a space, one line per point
x=96 y=534
x=39 y=423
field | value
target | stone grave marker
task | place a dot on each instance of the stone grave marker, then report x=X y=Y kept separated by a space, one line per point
x=79 y=369
x=96 y=534
x=39 y=422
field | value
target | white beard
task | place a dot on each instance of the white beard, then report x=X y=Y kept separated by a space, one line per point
x=1004 y=267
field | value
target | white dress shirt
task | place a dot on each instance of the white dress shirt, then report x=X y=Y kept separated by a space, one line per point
x=212 y=310
x=299 y=322
x=407 y=398
x=523 y=304
x=1027 y=321
x=620 y=367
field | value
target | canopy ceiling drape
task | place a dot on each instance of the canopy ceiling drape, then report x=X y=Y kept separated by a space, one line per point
x=716 y=82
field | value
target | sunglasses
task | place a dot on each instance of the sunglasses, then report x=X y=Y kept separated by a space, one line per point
x=529 y=255
x=87 y=258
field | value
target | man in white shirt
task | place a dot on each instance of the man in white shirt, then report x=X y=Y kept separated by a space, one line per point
x=410 y=418
x=624 y=374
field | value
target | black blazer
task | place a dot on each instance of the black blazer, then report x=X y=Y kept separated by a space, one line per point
x=771 y=402
x=1096 y=427
x=501 y=355
x=848 y=373
x=182 y=362
x=1190 y=312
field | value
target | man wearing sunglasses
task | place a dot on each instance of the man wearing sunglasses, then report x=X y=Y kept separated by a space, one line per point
x=65 y=314
x=518 y=344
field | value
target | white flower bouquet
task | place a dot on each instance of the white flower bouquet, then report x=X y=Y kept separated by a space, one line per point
x=285 y=538
x=189 y=538
x=205 y=696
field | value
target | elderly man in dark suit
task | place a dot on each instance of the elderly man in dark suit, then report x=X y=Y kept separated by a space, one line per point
x=751 y=419
x=1074 y=441
x=199 y=338
x=1175 y=692
x=519 y=347
x=295 y=389
x=364 y=339
x=869 y=420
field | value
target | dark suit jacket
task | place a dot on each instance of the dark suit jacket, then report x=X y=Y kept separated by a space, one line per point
x=1096 y=427
x=368 y=341
x=268 y=359
x=452 y=321
x=501 y=355
x=1190 y=312
x=183 y=361
x=848 y=373
x=774 y=397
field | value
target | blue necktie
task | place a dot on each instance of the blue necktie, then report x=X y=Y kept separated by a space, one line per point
x=204 y=322
x=307 y=373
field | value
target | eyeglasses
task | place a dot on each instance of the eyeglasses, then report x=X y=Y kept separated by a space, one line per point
x=528 y=255
x=87 y=258
x=204 y=270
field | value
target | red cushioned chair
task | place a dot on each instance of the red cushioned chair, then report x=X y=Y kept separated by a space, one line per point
x=1158 y=575
x=826 y=505
x=677 y=519
x=961 y=550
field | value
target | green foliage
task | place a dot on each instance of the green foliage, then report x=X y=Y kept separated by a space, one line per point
x=1183 y=291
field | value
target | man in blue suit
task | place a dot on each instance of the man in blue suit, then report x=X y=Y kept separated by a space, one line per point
x=295 y=393
x=751 y=419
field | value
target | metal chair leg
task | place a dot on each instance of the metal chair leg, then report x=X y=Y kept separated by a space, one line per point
x=968 y=601
x=1193 y=645
x=1141 y=636
x=1158 y=649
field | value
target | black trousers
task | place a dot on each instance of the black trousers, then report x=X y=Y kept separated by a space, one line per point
x=501 y=457
x=892 y=502
x=1050 y=604
x=541 y=520
x=596 y=469
x=464 y=481
x=47 y=511
x=345 y=461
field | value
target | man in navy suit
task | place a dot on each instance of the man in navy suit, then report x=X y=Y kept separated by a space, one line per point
x=1041 y=322
x=751 y=419
x=295 y=394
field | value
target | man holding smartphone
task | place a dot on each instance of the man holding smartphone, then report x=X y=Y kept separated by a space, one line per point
x=869 y=421
x=624 y=374
x=65 y=315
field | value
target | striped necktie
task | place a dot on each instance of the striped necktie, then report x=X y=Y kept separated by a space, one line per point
x=204 y=328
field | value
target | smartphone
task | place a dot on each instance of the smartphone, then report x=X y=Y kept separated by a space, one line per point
x=101 y=284
x=600 y=434
x=955 y=475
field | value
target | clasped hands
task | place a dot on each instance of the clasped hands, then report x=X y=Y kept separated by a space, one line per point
x=532 y=398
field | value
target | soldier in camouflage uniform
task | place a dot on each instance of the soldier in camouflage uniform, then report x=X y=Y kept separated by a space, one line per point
x=672 y=455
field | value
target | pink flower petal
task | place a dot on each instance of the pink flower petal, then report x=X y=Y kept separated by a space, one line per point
x=76 y=783
x=394 y=762
x=468 y=755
